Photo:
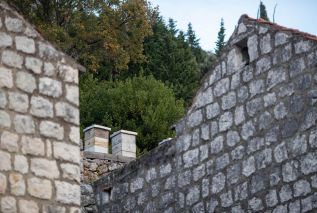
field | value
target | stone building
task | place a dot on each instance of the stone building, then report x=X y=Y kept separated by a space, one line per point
x=248 y=142
x=39 y=121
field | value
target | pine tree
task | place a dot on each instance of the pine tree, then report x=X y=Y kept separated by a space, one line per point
x=263 y=13
x=172 y=26
x=192 y=40
x=220 y=43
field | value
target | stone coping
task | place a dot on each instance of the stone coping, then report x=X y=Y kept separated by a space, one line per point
x=106 y=156
x=97 y=126
x=125 y=132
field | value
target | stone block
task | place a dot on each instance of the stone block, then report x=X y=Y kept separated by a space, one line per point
x=42 y=167
x=228 y=101
x=12 y=59
x=67 y=112
x=50 y=87
x=52 y=129
x=6 y=79
x=21 y=164
x=67 y=193
x=18 y=102
x=40 y=188
x=5 y=40
x=301 y=188
x=218 y=183
x=9 y=141
x=33 y=146
x=248 y=166
x=225 y=121
x=72 y=94
x=34 y=64
x=68 y=74
x=28 y=206
x=17 y=184
x=26 y=82
x=302 y=46
x=70 y=171
x=226 y=199
x=253 y=47
x=14 y=25
x=41 y=107
x=221 y=87
x=66 y=152
x=8 y=204
x=265 y=44
x=25 y=44
x=281 y=38
x=3 y=183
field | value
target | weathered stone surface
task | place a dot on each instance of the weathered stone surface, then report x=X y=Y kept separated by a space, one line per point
x=67 y=112
x=204 y=98
x=17 y=184
x=67 y=193
x=281 y=38
x=34 y=64
x=254 y=106
x=24 y=124
x=309 y=163
x=297 y=146
x=241 y=191
x=49 y=69
x=3 y=99
x=19 y=102
x=263 y=158
x=26 y=206
x=216 y=145
x=12 y=59
x=282 y=54
x=290 y=171
x=226 y=199
x=191 y=158
x=265 y=44
x=66 y=152
x=192 y=196
x=237 y=153
x=269 y=99
x=222 y=161
x=25 y=44
x=33 y=146
x=195 y=118
x=256 y=87
x=242 y=94
x=232 y=138
x=253 y=47
x=222 y=87
x=302 y=46
x=68 y=74
x=212 y=110
x=248 y=130
x=235 y=81
x=13 y=24
x=239 y=115
x=280 y=153
x=6 y=79
x=301 y=188
x=247 y=74
x=233 y=173
x=3 y=183
x=229 y=100
x=26 y=82
x=205 y=132
x=218 y=182
x=8 y=204
x=50 y=87
x=9 y=141
x=51 y=129
x=165 y=170
x=39 y=188
x=248 y=166
x=263 y=65
x=297 y=67
x=41 y=107
x=294 y=206
x=225 y=121
x=234 y=61
x=5 y=120
x=72 y=94
x=286 y=193
x=21 y=164
x=265 y=120
x=271 y=198
x=255 y=204
x=44 y=168
x=5 y=40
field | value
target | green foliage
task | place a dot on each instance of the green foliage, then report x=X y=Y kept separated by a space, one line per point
x=140 y=104
x=263 y=13
x=220 y=43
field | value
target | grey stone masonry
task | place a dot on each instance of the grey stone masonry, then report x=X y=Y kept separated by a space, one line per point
x=39 y=122
x=248 y=143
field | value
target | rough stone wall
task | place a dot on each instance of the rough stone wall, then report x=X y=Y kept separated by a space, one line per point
x=39 y=122
x=247 y=144
x=95 y=165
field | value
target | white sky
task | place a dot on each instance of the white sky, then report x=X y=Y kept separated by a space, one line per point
x=205 y=15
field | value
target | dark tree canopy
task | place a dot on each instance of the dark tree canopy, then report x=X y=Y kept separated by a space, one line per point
x=263 y=13
x=220 y=43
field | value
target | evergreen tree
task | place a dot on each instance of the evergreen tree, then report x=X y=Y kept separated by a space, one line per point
x=263 y=13
x=192 y=40
x=220 y=43
x=172 y=26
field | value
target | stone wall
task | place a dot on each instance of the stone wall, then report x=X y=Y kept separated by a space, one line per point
x=247 y=144
x=39 y=122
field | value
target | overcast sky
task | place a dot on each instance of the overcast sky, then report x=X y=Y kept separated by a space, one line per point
x=205 y=15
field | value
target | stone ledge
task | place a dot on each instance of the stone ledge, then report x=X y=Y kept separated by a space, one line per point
x=104 y=156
